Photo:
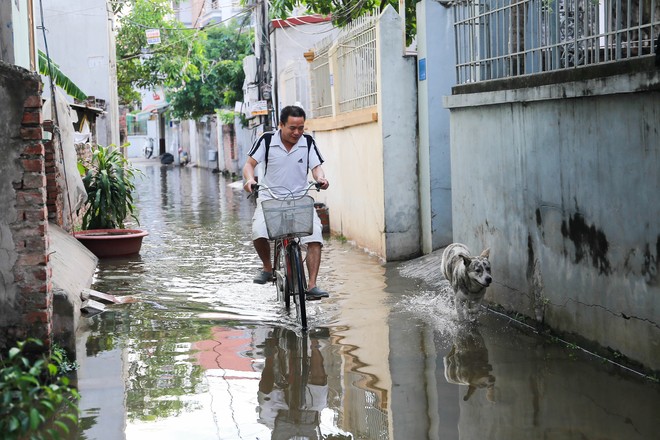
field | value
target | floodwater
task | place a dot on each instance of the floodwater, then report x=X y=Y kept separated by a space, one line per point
x=203 y=353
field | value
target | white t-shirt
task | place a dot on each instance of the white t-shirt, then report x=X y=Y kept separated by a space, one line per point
x=285 y=169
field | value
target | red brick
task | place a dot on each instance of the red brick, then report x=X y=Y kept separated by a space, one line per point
x=32 y=259
x=38 y=316
x=34 y=180
x=35 y=149
x=34 y=197
x=44 y=302
x=33 y=101
x=32 y=118
x=33 y=165
x=36 y=243
x=40 y=273
x=32 y=133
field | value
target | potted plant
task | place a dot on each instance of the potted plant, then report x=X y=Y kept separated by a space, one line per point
x=108 y=180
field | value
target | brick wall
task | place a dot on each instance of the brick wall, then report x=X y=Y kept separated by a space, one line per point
x=55 y=191
x=32 y=271
x=25 y=270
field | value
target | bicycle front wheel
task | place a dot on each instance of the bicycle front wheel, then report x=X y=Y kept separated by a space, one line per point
x=298 y=283
x=281 y=277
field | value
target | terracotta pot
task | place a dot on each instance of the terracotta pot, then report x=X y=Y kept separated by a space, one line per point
x=112 y=242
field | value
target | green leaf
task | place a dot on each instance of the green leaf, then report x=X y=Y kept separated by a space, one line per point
x=59 y=78
x=62 y=426
x=35 y=419
x=13 y=352
x=14 y=424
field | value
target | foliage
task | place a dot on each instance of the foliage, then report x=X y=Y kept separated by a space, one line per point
x=109 y=184
x=221 y=77
x=37 y=401
x=59 y=78
x=345 y=11
x=174 y=61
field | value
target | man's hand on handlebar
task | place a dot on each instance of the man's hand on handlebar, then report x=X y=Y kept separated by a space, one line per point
x=250 y=185
x=322 y=183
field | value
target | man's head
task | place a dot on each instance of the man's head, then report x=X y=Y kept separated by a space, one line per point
x=292 y=124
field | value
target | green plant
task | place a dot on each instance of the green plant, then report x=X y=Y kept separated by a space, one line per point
x=37 y=401
x=49 y=68
x=108 y=180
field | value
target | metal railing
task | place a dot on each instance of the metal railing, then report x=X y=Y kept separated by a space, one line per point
x=321 y=83
x=356 y=65
x=353 y=55
x=509 y=38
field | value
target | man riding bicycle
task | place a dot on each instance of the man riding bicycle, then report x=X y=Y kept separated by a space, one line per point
x=287 y=154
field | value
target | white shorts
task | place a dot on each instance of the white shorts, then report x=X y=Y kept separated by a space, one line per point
x=259 y=228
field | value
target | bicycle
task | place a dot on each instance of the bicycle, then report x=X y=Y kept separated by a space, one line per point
x=287 y=219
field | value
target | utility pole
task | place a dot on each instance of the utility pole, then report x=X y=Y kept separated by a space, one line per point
x=264 y=73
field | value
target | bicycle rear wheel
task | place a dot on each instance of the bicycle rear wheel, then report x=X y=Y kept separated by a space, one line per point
x=282 y=283
x=298 y=283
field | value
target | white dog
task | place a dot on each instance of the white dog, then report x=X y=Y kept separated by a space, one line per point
x=468 y=277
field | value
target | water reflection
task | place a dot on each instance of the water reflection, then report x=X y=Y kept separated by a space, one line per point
x=192 y=356
x=206 y=354
x=293 y=388
x=467 y=363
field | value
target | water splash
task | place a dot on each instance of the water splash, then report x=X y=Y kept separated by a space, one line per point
x=436 y=309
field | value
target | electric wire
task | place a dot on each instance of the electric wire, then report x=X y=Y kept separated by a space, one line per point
x=184 y=38
x=56 y=122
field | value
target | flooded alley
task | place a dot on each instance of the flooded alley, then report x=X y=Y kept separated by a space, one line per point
x=200 y=352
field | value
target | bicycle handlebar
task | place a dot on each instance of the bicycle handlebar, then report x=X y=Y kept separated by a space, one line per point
x=256 y=187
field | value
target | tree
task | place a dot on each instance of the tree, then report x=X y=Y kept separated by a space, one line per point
x=345 y=11
x=220 y=82
x=49 y=68
x=175 y=60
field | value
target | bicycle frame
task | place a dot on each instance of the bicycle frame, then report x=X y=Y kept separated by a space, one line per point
x=288 y=267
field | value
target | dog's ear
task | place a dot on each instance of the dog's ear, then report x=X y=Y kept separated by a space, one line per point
x=486 y=253
x=466 y=260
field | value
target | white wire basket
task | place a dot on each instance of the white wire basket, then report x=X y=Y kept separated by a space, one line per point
x=289 y=217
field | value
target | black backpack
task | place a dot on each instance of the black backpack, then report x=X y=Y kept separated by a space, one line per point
x=267 y=137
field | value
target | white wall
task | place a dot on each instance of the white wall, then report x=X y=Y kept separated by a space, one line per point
x=355 y=199
x=287 y=47
x=79 y=36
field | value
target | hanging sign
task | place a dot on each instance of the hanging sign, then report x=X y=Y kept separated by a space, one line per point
x=153 y=36
x=259 y=108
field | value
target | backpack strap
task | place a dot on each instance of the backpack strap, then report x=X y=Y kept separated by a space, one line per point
x=267 y=137
x=310 y=141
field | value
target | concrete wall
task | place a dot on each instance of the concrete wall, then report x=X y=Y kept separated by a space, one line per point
x=355 y=199
x=371 y=156
x=397 y=109
x=435 y=77
x=561 y=182
x=25 y=288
